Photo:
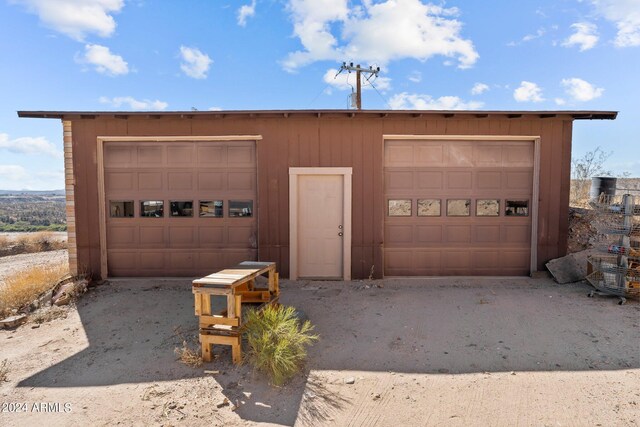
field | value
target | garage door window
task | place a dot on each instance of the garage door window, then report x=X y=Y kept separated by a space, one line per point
x=399 y=208
x=516 y=208
x=488 y=207
x=428 y=207
x=458 y=207
x=121 y=209
x=240 y=208
x=152 y=208
x=181 y=208
x=211 y=208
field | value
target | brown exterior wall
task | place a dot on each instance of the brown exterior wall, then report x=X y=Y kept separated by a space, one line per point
x=338 y=140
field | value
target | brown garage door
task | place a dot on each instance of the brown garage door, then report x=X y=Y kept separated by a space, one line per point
x=458 y=207
x=179 y=208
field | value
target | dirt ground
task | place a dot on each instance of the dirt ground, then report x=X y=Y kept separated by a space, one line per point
x=13 y=264
x=451 y=352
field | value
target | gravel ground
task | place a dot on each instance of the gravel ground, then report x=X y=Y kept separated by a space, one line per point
x=14 y=263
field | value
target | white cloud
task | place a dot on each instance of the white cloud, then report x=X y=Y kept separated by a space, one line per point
x=215 y=108
x=76 y=18
x=29 y=145
x=560 y=101
x=246 y=11
x=345 y=81
x=376 y=33
x=539 y=33
x=581 y=90
x=12 y=173
x=626 y=15
x=413 y=101
x=527 y=38
x=195 y=63
x=134 y=104
x=585 y=36
x=528 y=92
x=17 y=177
x=104 y=61
x=479 y=88
x=415 y=76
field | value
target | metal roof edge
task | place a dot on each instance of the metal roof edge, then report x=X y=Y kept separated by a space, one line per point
x=575 y=114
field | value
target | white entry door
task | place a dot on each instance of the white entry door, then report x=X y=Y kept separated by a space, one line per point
x=321 y=230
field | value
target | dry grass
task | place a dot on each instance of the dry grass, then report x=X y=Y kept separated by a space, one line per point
x=22 y=288
x=31 y=242
x=4 y=371
x=188 y=356
x=39 y=242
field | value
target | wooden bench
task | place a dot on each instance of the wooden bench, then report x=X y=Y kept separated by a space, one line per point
x=237 y=285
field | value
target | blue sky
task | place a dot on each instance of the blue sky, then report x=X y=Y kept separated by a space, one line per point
x=283 y=54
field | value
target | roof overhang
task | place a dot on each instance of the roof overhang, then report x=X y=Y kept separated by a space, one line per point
x=73 y=115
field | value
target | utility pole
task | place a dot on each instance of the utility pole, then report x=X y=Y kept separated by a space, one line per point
x=371 y=71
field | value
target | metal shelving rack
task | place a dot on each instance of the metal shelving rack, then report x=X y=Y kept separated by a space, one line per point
x=616 y=271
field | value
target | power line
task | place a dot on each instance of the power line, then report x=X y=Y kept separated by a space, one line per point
x=383 y=98
x=359 y=70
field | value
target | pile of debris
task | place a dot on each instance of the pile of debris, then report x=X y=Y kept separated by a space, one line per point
x=582 y=230
x=67 y=290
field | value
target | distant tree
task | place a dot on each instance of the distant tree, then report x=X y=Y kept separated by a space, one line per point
x=583 y=169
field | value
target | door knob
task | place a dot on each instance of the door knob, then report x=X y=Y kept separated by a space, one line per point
x=340 y=233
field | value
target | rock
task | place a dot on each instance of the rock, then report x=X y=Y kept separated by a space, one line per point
x=80 y=287
x=513 y=373
x=35 y=326
x=349 y=380
x=13 y=321
x=62 y=299
x=222 y=404
x=376 y=396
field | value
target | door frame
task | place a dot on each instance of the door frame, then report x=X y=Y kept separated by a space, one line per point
x=294 y=174
x=102 y=203
x=534 y=139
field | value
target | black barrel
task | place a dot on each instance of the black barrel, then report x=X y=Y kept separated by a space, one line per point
x=602 y=185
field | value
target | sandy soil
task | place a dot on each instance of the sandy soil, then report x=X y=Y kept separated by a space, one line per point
x=14 y=263
x=455 y=352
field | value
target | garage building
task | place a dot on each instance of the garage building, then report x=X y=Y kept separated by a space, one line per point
x=330 y=194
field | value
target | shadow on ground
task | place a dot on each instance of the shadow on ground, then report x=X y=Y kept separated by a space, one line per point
x=426 y=326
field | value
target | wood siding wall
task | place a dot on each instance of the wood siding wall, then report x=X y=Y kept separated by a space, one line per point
x=329 y=140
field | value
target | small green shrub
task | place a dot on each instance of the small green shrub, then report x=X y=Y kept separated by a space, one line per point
x=277 y=341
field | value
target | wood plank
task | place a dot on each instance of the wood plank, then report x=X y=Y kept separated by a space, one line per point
x=205 y=304
x=231 y=307
x=238 y=307
x=219 y=320
x=255 y=295
x=198 y=304
x=211 y=291
x=218 y=339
